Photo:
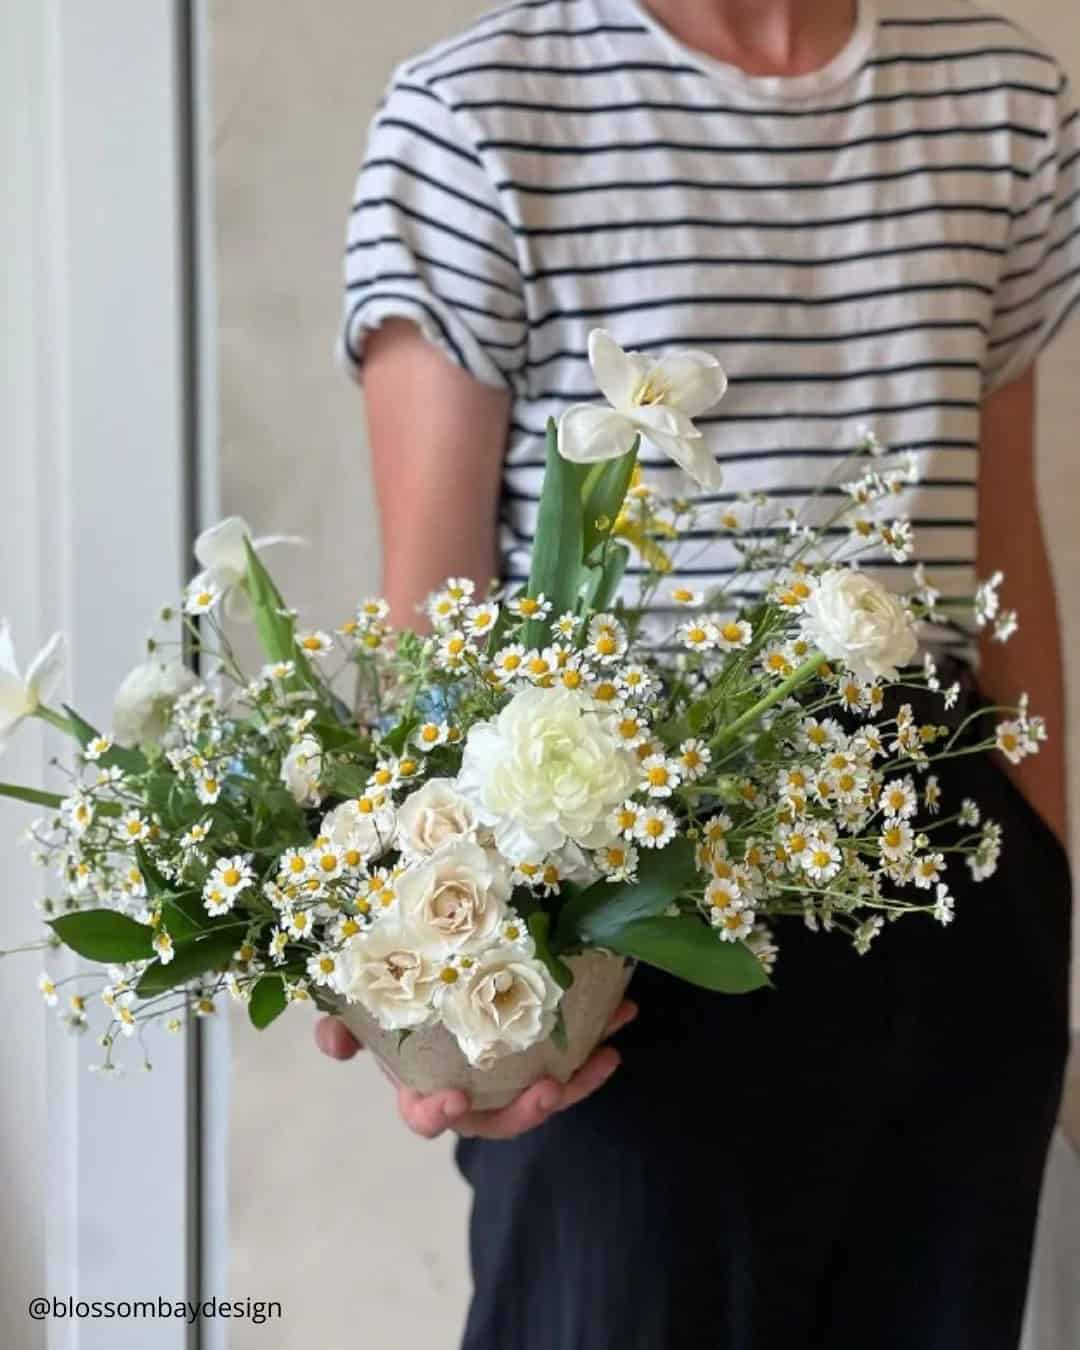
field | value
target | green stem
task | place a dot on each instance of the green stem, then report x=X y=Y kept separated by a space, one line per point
x=753 y=714
x=54 y=719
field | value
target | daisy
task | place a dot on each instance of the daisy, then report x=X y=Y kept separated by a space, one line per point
x=574 y=673
x=508 y=663
x=133 y=827
x=540 y=666
x=618 y=862
x=969 y=813
x=163 y=945
x=530 y=606
x=328 y=862
x=607 y=639
x=698 y=635
x=48 y=990
x=896 y=840
x=944 y=904
x=481 y=619
x=821 y=860
x=685 y=595
x=637 y=681
x=372 y=609
x=100 y=745
x=201 y=597
x=208 y=789
x=735 y=924
x=662 y=776
x=450 y=653
x=566 y=625
x=442 y=607
x=723 y=894
x=899 y=798
x=322 y=967
x=631 y=730
x=774 y=660
x=623 y=820
x=314 y=642
x=734 y=634
x=693 y=759
x=655 y=826
x=430 y=735
x=298 y=923
x=232 y=875
x=927 y=870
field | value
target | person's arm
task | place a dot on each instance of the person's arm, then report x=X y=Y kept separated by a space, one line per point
x=1010 y=538
x=437 y=437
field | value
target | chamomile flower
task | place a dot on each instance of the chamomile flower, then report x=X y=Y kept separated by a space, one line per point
x=723 y=894
x=201 y=597
x=944 y=904
x=294 y=866
x=969 y=813
x=208 y=789
x=607 y=639
x=623 y=820
x=899 y=798
x=134 y=827
x=631 y=729
x=655 y=826
x=516 y=934
x=442 y=608
x=867 y=932
x=927 y=870
x=693 y=759
x=735 y=925
x=698 y=635
x=162 y=943
x=897 y=840
x=298 y=923
x=637 y=682
x=195 y=835
x=78 y=811
x=574 y=673
x=452 y=650
x=372 y=609
x=733 y=634
x=566 y=626
x=430 y=735
x=1005 y=625
x=327 y=862
x=686 y=595
x=821 y=859
x=530 y=606
x=278 y=942
x=618 y=862
x=661 y=776
x=322 y=967
x=508 y=663
x=314 y=642
x=232 y=875
x=541 y=666
x=481 y=619
x=1014 y=741
x=715 y=830
x=48 y=990
x=100 y=745
x=775 y=660
x=932 y=794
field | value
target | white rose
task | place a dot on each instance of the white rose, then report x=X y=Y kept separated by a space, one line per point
x=503 y=1003
x=434 y=815
x=300 y=770
x=854 y=619
x=361 y=824
x=382 y=969
x=145 y=699
x=455 y=901
x=548 y=769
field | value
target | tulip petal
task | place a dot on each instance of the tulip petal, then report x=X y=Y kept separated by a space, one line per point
x=7 y=649
x=589 y=433
x=618 y=374
x=45 y=670
x=222 y=545
x=695 y=381
x=690 y=453
x=14 y=704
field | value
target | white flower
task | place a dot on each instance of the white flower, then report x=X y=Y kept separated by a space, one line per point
x=220 y=552
x=362 y=825
x=48 y=990
x=549 y=768
x=852 y=618
x=652 y=399
x=300 y=770
x=501 y=1004
x=145 y=699
x=455 y=901
x=380 y=968
x=20 y=696
x=434 y=815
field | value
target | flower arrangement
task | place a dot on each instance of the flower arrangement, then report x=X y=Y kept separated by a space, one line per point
x=433 y=826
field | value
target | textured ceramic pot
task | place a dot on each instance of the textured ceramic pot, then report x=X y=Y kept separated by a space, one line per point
x=430 y=1060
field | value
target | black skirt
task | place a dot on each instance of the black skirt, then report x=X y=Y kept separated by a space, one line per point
x=848 y=1161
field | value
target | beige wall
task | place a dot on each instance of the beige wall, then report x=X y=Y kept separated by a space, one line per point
x=355 y=1226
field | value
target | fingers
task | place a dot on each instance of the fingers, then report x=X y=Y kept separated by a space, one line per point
x=430 y=1116
x=622 y=1016
x=535 y=1105
x=335 y=1039
x=592 y=1076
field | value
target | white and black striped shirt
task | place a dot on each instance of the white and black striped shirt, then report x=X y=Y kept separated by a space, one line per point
x=880 y=242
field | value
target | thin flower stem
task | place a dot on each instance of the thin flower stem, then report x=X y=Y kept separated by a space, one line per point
x=754 y=714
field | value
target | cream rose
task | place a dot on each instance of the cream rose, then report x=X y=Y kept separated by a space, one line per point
x=549 y=769
x=434 y=815
x=145 y=699
x=361 y=824
x=503 y=1003
x=300 y=770
x=382 y=969
x=852 y=618
x=455 y=901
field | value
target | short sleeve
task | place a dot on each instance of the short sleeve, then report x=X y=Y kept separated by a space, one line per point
x=428 y=240
x=1039 y=285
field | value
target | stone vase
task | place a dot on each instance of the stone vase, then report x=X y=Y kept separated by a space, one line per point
x=430 y=1060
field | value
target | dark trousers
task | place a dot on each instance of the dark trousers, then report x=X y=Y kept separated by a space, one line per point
x=848 y=1161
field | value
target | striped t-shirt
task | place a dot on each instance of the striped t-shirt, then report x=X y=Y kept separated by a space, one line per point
x=878 y=243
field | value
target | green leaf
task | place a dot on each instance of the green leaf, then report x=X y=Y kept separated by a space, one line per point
x=32 y=795
x=540 y=928
x=610 y=575
x=184 y=915
x=557 y=550
x=603 y=910
x=689 y=949
x=104 y=935
x=192 y=956
x=605 y=493
x=277 y=631
x=267 y=1001
x=155 y=883
x=119 y=756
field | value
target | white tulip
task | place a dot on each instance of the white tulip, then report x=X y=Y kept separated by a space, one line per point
x=656 y=400
x=504 y=1002
x=145 y=699
x=852 y=618
x=220 y=551
x=21 y=695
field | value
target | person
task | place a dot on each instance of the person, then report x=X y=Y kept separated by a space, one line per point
x=870 y=212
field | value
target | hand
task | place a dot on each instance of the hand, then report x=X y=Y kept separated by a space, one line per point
x=430 y=1116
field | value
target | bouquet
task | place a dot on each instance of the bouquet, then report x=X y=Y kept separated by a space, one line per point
x=442 y=832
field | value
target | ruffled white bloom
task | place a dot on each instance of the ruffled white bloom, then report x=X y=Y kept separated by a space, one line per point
x=220 y=552
x=300 y=771
x=503 y=1003
x=548 y=769
x=20 y=695
x=145 y=699
x=455 y=902
x=656 y=400
x=852 y=618
x=381 y=968
x=365 y=825
x=434 y=815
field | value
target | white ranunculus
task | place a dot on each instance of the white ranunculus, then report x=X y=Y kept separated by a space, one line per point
x=549 y=769
x=503 y=1003
x=455 y=901
x=362 y=825
x=434 y=815
x=145 y=699
x=381 y=968
x=220 y=551
x=850 y=617
x=300 y=771
x=656 y=400
x=20 y=695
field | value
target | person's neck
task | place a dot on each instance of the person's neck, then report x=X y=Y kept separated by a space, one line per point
x=761 y=37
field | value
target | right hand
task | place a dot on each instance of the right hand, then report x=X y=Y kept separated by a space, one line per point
x=451 y=1110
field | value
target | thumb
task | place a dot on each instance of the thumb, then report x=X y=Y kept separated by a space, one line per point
x=335 y=1039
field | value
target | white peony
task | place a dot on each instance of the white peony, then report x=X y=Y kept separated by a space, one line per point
x=382 y=969
x=455 y=901
x=362 y=825
x=548 y=769
x=854 y=619
x=503 y=1003
x=434 y=815
x=300 y=770
x=145 y=699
